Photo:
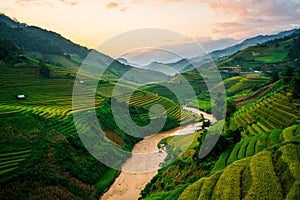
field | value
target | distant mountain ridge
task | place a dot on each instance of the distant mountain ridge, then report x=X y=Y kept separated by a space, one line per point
x=187 y=64
x=246 y=43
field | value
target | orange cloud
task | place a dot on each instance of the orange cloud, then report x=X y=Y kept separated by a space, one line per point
x=123 y=9
x=48 y=3
x=158 y=1
x=111 y=5
x=72 y=3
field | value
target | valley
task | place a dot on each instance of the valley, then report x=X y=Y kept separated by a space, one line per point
x=138 y=170
x=42 y=155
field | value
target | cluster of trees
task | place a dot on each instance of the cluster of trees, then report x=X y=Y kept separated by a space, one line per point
x=32 y=38
x=28 y=41
x=291 y=78
x=44 y=70
x=9 y=52
x=295 y=49
x=291 y=75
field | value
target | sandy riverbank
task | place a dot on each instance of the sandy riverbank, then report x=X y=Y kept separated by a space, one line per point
x=138 y=170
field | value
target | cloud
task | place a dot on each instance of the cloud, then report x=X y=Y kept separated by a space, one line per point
x=46 y=2
x=72 y=3
x=36 y=2
x=255 y=16
x=111 y=5
x=123 y=9
x=158 y=1
x=255 y=8
x=114 y=5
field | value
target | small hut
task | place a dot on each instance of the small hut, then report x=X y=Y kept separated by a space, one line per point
x=20 y=96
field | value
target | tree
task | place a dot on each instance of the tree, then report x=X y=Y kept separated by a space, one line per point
x=44 y=70
x=275 y=76
x=296 y=86
x=230 y=109
x=288 y=75
x=294 y=52
x=9 y=51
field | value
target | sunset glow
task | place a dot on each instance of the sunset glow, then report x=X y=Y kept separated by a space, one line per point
x=91 y=22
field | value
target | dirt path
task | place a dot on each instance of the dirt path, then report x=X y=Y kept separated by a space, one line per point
x=138 y=170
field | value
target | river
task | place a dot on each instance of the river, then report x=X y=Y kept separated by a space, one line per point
x=138 y=170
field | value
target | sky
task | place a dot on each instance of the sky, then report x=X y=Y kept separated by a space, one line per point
x=91 y=22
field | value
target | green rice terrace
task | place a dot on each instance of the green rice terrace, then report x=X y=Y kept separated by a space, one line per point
x=42 y=156
x=257 y=155
x=39 y=140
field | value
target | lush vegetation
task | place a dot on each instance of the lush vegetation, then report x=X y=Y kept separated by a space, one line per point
x=256 y=156
x=42 y=156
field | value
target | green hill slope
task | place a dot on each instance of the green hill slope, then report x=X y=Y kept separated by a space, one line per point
x=42 y=156
x=256 y=156
x=268 y=174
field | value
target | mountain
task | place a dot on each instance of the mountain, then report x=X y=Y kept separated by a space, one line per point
x=11 y=22
x=181 y=56
x=173 y=53
x=53 y=48
x=123 y=61
x=246 y=43
x=32 y=38
x=160 y=67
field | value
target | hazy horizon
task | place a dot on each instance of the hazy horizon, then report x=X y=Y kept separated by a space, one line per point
x=93 y=22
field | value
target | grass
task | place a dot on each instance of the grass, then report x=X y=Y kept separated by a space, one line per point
x=245 y=84
x=275 y=57
x=250 y=146
x=265 y=183
x=192 y=191
x=222 y=161
x=275 y=137
x=169 y=195
x=290 y=157
x=261 y=144
x=234 y=154
x=107 y=179
x=9 y=161
x=260 y=176
x=289 y=133
x=209 y=185
x=243 y=150
x=228 y=185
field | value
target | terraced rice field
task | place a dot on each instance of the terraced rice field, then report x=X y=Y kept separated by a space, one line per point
x=238 y=85
x=246 y=177
x=275 y=112
x=250 y=146
x=147 y=100
x=10 y=160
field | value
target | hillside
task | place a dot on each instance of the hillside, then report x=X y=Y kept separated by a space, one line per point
x=56 y=50
x=259 y=146
x=42 y=156
x=260 y=39
x=247 y=74
x=32 y=38
x=269 y=137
